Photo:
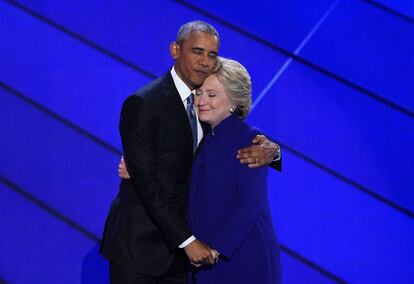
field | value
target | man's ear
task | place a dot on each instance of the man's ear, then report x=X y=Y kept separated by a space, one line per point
x=174 y=50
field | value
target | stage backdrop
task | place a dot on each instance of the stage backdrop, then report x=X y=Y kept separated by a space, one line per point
x=333 y=83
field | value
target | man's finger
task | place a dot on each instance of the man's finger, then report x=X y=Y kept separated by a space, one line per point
x=251 y=155
x=259 y=139
x=249 y=160
x=256 y=165
x=252 y=150
x=245 y=150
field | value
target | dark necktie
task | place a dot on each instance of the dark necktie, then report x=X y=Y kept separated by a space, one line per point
x=193 y=119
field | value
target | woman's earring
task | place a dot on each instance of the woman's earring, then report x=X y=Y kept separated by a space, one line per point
x=231 y=109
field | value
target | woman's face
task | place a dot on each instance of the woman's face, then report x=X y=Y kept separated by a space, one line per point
x=211 y=101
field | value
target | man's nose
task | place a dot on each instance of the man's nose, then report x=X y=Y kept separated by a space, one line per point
x=204 y=60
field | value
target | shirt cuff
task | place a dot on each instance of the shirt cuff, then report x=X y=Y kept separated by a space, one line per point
x=187 y=242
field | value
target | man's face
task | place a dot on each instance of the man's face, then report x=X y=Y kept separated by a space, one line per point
x=195 y=58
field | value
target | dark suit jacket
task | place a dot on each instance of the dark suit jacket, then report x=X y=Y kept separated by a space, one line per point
x=147 y=220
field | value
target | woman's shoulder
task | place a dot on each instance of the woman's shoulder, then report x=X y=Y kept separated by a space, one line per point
x=247 y=131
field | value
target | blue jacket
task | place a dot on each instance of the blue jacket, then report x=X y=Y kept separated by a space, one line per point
x=229 y=210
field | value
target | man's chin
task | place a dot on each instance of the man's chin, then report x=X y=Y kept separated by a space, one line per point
x=197 y=84
x=199 y=80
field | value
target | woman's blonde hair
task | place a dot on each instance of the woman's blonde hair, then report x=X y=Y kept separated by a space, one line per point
x=237 y=83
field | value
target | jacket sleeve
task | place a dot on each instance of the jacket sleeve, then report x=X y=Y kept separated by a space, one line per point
x=277 y=165
x=139 y=128
x=252 y=198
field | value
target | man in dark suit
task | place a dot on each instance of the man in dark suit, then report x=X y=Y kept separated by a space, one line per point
x=146 y=238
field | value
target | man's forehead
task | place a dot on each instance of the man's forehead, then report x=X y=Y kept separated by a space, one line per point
x=198 y=36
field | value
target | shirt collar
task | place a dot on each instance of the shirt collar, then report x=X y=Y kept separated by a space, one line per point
x=182 y=88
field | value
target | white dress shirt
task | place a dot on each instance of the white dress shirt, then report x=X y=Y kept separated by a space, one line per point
x=184 y=92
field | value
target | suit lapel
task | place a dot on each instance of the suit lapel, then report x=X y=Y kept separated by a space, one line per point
x=172 y=102
x=206 y=128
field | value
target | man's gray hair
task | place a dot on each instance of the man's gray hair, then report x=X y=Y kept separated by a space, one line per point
x=195 y=26
x=237 y=84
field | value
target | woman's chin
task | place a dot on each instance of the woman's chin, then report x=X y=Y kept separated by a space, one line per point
x=203 y=118
x=206 y=121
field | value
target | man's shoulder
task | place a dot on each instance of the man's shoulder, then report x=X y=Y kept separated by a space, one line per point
x=147 y=98
x=247 y=132
x=156 y=88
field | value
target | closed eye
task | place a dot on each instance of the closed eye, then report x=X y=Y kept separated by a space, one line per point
x=197 y=50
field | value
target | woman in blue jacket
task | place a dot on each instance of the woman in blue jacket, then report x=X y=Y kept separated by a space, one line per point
x=229 y=207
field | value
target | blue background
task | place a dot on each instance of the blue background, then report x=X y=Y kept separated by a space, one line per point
x=333 y=83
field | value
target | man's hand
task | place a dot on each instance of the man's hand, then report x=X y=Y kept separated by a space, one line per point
x=199 y=253
x=122 y=170
x=261 y=153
